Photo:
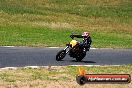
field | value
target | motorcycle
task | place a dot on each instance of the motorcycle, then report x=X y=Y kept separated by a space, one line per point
x=75 y=50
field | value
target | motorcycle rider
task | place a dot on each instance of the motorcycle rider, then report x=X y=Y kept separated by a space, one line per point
x=86 y=40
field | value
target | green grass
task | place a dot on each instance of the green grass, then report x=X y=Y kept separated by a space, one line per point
x=126 y=69
x=45 y=23
x=37 y=77
x=41 y=37
x=59 y=73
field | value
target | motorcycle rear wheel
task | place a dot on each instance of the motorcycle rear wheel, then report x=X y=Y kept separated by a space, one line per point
x=79 y=58
x=60 y=55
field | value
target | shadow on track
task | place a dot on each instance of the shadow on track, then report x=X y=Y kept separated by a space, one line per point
x=72 y=61
x=83 y=61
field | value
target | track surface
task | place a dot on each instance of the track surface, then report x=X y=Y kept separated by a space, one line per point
x=26 y=56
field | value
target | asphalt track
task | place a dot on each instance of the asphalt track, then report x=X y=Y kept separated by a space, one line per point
x=26 y=56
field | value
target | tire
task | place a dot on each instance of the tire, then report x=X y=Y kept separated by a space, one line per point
x=60 y=55
x=79 y=58
x=81 y=80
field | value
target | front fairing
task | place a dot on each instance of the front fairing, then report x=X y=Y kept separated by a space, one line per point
x=73 y=43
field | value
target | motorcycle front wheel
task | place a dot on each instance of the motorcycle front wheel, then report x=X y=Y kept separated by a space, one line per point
x=60 y=55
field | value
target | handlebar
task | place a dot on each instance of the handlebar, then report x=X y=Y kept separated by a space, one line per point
x=72 y=36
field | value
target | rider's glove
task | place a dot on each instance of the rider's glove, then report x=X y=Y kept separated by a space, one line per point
x=72 y=36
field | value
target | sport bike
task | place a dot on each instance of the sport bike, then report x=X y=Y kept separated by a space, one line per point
x=74 y=48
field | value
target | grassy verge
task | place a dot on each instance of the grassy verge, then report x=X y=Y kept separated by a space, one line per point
x=57 y=76
x=49 y=22
x=46 y=37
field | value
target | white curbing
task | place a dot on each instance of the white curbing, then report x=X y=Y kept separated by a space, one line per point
x=53 y=47
x=13 y=46
x=94 y=48
x=36 y=67
x=49 y=47
x=8 y=46
x=6 y=68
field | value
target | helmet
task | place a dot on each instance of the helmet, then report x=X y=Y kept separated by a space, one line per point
x=85 y=34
